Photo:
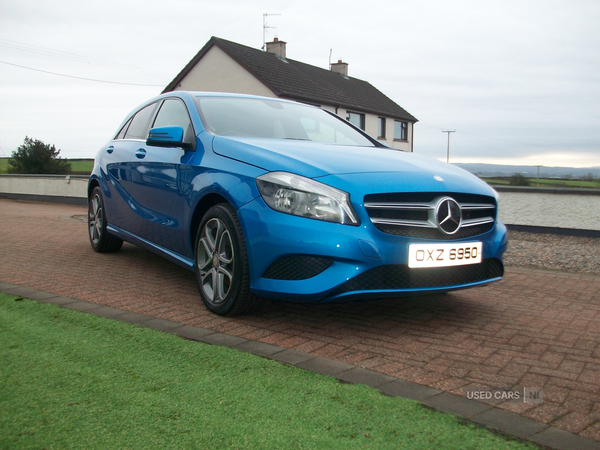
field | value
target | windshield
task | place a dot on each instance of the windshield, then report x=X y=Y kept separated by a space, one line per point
x=248 y=117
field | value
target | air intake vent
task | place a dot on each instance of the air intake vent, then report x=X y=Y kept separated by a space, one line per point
x=297 y=267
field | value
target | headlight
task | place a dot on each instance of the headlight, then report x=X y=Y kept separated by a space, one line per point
x=300 y=196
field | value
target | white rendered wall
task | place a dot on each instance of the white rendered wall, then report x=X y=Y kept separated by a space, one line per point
x=217 y=72
x=57 y=185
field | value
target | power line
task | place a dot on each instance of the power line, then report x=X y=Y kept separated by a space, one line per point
x=78 y=58
x=80 y=78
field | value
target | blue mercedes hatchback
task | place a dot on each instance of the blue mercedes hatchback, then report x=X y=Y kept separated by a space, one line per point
x=266 y=198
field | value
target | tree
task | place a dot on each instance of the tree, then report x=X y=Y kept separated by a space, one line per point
x=518 y=179
x=35 y=157
x=588 y=177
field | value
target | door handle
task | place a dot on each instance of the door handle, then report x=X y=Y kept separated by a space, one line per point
x=141 y=153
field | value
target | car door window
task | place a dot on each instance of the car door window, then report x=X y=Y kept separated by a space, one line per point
x=174 y=112
x=139 y=124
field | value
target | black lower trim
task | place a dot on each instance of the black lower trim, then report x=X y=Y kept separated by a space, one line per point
x=400 y=277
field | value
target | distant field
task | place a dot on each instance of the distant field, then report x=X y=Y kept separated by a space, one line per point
x=3 y=165
x=78 y=166
x=547 y=182
x=82 y=165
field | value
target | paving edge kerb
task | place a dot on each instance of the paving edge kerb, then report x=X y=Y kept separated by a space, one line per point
x=477 y=412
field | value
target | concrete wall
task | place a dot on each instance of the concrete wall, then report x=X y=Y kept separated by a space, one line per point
x=69 y=186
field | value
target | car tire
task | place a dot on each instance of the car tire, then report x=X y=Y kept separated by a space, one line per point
x=221 y=263
x=102 y=241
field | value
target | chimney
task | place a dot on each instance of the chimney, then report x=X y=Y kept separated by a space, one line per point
x=340 y=67
x=277 y=47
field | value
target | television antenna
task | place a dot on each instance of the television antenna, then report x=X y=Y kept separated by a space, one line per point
x=265 y=26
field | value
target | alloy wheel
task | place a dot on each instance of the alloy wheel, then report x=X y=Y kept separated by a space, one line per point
x=96 y=219
x=215 y=260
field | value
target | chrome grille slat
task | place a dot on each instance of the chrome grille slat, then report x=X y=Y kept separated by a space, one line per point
x=476 y=206
x=404 y=223
x=413 y=214
x=415 y=206
x=474 y=222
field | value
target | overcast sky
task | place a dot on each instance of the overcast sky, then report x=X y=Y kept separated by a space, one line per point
x=519 y=81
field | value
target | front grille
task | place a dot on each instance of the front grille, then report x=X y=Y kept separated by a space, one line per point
x=297 y=267
x=412 y=214
x=397 y=277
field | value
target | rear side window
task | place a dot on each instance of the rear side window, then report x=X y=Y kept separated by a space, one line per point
x=121 y=134
x=138 y=129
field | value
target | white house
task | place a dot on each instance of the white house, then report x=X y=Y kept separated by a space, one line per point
x=225 y=66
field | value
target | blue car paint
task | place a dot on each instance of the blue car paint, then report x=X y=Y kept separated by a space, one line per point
x=228 y=167
x=314 y=160
x=162 y=219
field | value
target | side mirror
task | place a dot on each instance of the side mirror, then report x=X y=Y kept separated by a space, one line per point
x=171 y=136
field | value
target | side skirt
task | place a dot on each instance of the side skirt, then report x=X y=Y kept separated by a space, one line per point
x=176 y=258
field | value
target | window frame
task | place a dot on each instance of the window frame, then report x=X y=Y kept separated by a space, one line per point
x=381 y=127
x=403 y=131
x=361 y=117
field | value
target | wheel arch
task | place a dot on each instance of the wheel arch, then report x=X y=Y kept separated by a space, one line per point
x=92 y=184
x=207 y=202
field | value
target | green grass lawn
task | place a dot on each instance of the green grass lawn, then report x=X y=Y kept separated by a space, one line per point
x=74 y=380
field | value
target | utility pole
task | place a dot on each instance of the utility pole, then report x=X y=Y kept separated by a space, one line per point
x=448 y=148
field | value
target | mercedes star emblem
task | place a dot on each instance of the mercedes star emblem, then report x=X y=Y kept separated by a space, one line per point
x=448 y=215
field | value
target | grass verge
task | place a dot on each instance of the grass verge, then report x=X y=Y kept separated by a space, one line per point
x=74 y=380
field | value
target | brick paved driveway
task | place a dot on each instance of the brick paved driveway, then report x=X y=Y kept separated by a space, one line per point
x=534 y=328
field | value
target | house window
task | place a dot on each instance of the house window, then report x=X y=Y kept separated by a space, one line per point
x=381 y=127
x=400 y=131
x=356 y=119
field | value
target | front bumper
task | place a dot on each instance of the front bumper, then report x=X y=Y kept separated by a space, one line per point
x=298 y=259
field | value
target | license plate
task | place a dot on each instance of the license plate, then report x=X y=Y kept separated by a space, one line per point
x=444 y=255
